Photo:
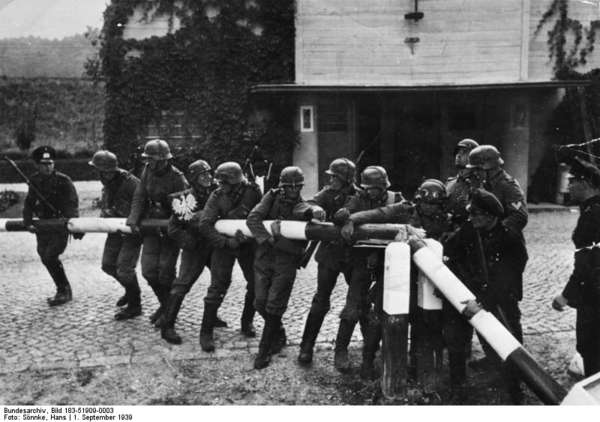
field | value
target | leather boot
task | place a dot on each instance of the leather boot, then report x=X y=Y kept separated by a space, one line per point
x=370 y=347
x=156 y=288
x=167 y=331
x=219 y=323
x=309 y=337
x=457 y=364
x=122 y=300
x=206 y=330
x=247 y=319
x=134 y=303
x=63 y=288
x=263 y=358
x=341 y=360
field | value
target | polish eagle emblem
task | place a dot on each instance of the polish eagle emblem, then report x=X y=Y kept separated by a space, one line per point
x=184 y=206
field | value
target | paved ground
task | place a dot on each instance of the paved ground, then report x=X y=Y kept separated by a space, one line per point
x=83 y=333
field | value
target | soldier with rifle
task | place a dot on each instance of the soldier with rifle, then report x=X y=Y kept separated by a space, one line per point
x=159 y=179
x=233 y=199
x=332 y=257
x=489 y=258
x=51 y=195
x=276 y=259
x=458 y=186
x=121 y=251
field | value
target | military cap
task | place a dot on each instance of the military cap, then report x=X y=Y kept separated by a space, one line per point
x=487 y=202
x=43 y=154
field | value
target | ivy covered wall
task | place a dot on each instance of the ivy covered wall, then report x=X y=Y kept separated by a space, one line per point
x=203 y=71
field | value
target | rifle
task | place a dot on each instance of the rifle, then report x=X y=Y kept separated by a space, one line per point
x=247 y=167
x=33 y=189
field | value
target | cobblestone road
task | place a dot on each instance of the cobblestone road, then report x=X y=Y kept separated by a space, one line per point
x=83 y=332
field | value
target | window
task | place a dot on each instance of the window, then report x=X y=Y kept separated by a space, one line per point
x=306 y=119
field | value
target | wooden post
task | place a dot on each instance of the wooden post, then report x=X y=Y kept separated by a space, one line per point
x=396 y=294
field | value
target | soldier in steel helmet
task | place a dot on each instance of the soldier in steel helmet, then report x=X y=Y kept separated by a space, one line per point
x=458 y=187
x=277 y=258
x=367 y=262
x=51 y=195
x=332 y=257
x=489 y=258
x=582 y=290
x=151 y=200
x=485 y=165
x=233 y=199
x=187 y=208
x=121 y=251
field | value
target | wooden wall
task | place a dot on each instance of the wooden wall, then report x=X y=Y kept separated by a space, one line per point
x=461 y=41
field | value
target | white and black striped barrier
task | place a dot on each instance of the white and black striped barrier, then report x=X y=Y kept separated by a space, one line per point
x=396 y=285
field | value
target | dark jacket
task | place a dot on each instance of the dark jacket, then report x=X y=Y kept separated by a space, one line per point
x=332 y=253
x=150 y=199
x=512 y=198
x=274 y=206
x=59 y=191
x=117 y=195
x=187 y=208
x=505 y=256
x=229 y=206
x=583 y=287
x=457 y=190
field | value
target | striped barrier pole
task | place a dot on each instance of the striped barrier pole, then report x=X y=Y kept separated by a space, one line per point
x=501 y=340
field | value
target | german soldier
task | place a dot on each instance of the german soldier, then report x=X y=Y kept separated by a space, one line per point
x=187 y=208
x=582 y=291
x=333 y=257
x=233 y=199
x=489 y=258
x=277 y=258
x=121 y=251
x=457 y=187
x=367 y=262
x=486 y=163
x=52 y=195
x=150 y=200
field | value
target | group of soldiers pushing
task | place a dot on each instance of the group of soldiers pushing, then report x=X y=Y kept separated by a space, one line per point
x=478 y=216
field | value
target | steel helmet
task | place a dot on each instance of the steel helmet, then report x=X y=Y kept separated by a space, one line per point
x=291 y=176
x=229 y=172
x=157 y=149
x=342 y=168
x=374 y=177
x=466 y=144
x=198 y=167
x=431 y=191
x=485 y=157
x=104 y=161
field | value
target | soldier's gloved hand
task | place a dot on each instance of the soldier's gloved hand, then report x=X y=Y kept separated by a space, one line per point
x=319 y=214
x=78 y=236
x=471 y=309
x=559 y=303
x=31 y=228
x=341 y=216
x=240 y=236
x=135 y=229
x=276 y=229
x=232 y=243
x=347 y=232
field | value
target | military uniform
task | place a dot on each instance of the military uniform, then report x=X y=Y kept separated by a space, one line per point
x=457 y=188
x=228 y=205
x=183 y=228
x=121 y=251
x=159 y=252
x=59 y=191
x=505 y=257
x=583 y=288
x=511 y=196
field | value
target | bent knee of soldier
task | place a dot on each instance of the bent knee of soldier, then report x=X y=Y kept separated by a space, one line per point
x=350 y=314
x=275 y=309
x=126 y=274
x=320 y=305
x=49 y=259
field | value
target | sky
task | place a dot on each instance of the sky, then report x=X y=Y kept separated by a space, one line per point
x=49 y=18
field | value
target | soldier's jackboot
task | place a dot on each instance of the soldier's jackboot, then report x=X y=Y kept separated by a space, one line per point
x=370 y=347
x=162 y=294
x=134 y=303
x=279 y=339
x=247 y=319
x=309 y=337
x=122 y=300
x=207 y=343
x=263 y=358
x=219 y=323
x=341 y=361
x=167 y=331
x=63 y=288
